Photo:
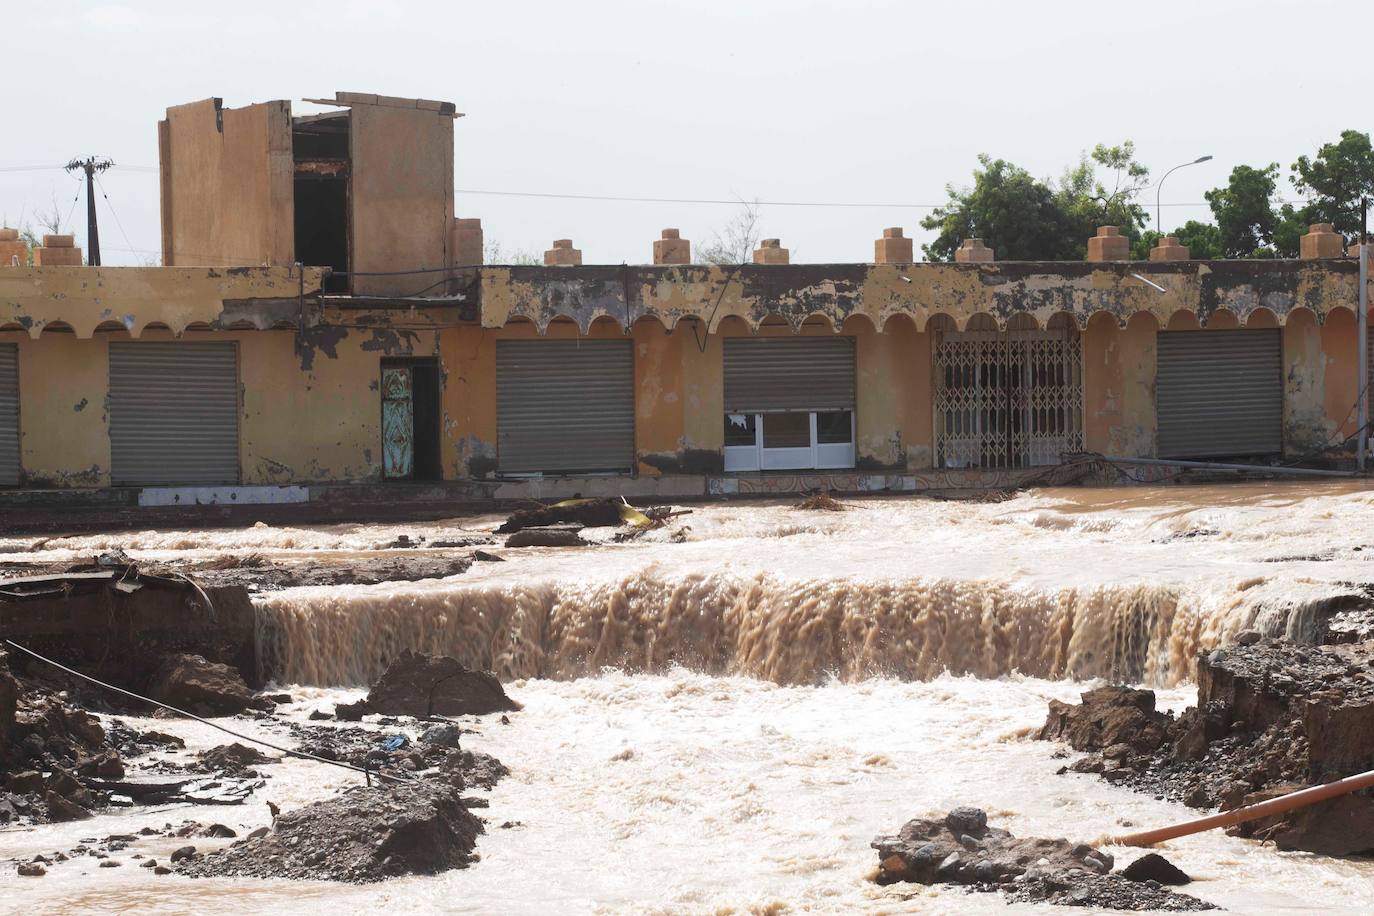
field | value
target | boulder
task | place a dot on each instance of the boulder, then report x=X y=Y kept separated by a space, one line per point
x=1154 y=867
x=429 y=685
x=62 y=809
x=1108 y=716
x=444 y=735
x=204 y=687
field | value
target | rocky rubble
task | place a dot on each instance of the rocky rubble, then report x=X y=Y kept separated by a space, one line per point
x=365 y=834
x=46 y=749
x=961 y=848
x=1272 y=717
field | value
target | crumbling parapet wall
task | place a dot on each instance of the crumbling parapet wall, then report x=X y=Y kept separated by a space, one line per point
x=82 y=300
x=879 y=292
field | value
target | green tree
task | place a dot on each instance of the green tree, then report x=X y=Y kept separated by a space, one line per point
x=1202 y=240
x=1334 y=181
x=1290 y=226
x=1111 y=201
x=1019 y=217
x=1244 y=211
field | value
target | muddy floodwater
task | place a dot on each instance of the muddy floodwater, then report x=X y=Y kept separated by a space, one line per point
x=721 y=715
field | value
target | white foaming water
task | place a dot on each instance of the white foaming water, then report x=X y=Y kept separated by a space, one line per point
x=686 y=793
x=779 y=693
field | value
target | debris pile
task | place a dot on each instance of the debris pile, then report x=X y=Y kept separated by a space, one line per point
x=232 y=760
x=364 y=834
x=1272 y=717
x=961 y=848
x=561 y=524
x=821 y=501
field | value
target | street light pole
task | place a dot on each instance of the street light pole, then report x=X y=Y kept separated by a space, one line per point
x=1160 y=186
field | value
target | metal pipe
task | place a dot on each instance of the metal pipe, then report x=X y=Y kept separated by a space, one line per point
x=1299 y=799
x=1219 y=466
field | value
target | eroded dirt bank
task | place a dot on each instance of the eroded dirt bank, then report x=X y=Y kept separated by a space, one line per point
x=1271 y=717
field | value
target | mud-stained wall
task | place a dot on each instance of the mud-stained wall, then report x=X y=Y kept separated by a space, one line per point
x=227 y=185
x=402 y=196
x=1340 y=357
x=794 y=292
x=1119 y=366
x=131 y=299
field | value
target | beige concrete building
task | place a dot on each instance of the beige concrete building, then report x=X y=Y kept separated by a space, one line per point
x=319 y=322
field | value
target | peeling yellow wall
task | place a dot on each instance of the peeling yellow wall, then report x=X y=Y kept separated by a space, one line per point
x=321 y=424
x=63 y=425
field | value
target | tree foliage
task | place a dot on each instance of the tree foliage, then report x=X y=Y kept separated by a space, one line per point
x=1334 y=181
x=1022 y=218
x=1244 y=210
x=1019 y=217
x=1094 y=201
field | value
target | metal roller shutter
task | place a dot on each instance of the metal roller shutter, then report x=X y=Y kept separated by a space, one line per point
x=789 y=373
x=1220 y=393
x=174 y=413
x=564 y=406
x=9 y=415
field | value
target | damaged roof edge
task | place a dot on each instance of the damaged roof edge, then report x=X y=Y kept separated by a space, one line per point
x=389 y=101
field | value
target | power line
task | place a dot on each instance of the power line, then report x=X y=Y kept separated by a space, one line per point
x=711 y=201
x=54 y=168
x=105 y=194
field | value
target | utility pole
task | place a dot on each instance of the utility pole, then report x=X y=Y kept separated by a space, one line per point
x=91 y=165
x=1363 y=332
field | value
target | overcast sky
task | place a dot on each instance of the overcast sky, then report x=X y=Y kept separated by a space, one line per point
x=846 y=102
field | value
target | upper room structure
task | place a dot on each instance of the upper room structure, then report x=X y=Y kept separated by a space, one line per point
x=365 y=190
